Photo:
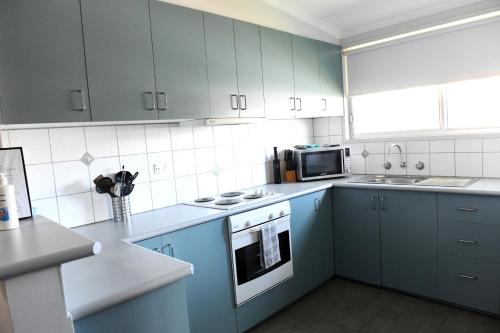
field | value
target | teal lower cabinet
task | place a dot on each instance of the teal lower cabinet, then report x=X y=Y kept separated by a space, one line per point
x=469 y=282
x=312 y=241
x=313 y=259
x=153 y=244
x=210 y=290
x=357 y=234
x=408 y=238
x=162 y=310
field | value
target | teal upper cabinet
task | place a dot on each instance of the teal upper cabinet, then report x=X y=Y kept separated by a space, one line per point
x=180 y=62
x=219 y=37
x=42 y=64
x=119 y=59
x=330 y=74
x=306 y=76
x=408 y=229
x=210 y=290
x=249 y=69
x=277 y=64
x=357 y=234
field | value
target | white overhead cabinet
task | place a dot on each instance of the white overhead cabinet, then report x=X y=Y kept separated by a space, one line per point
x=277 y=64
x=42 y=63
x=180 y=62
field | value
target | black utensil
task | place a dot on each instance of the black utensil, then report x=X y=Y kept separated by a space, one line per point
x=276 y=167
x=103 y=184
x=130 y=179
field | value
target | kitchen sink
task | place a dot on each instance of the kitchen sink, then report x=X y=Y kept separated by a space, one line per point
x=416 y=180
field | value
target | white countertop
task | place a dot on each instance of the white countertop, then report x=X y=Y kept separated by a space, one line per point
x=123 y=270
x=38 y=244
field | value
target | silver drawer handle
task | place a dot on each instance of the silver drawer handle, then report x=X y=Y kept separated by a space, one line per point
x=467 y=277
x=468 y=210
x=466 y=241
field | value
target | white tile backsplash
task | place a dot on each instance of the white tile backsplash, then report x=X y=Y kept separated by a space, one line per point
x=186 y=188
x=184 y=162
x=335 y=126
x=417 y=147
x=375 y=164
x=131 y=139
x=71 y=177
x=41 y=181
x=35 y=144
x=207 y=185
x=106 y=166
x=68 y=144
x=161 y=166
x=101 y=141
x=442 y=164
x=140 y=199
x=76 y=209
x=469 y=164
x=491 y=145
x=491 y=165
x=413 y=159
x=320 y=127
x=158 y=138
x=46 y=207
x=468 y=146
x=138 y=163
x=442 y=146
x=205 y=159
x=182 y=138
x=163 y=193
x=203 y=137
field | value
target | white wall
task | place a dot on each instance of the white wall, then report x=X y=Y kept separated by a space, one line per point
x=194 y=162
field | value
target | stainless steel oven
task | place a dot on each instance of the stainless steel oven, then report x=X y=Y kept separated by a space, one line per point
x=250 y=277
x=322 y=163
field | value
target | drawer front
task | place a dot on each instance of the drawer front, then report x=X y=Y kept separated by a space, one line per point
x=469 y=208
x=469 y=282
x=470 y=240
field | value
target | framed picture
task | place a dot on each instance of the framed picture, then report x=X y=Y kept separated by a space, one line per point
x=12 y=166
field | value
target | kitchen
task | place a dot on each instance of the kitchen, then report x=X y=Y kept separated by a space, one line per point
x=250 y=166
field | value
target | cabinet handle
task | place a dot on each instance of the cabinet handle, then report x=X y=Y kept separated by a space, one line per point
x=382 y=201
x=153 y=100
x=292 y=104
x=83 y=105
x=467 y=277
x=157 y=249
x=372 y=198
x=170 y=251
x=164 y=97
x=468 y=210
x=466 y=241
x=234 y=102
x=243 y=101
x=300 y=104
x=324 y=104
x=316 y=204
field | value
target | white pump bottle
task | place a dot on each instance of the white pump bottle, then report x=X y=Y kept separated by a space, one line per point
x=8 y=207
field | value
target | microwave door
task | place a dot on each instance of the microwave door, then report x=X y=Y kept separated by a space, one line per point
x=322 y=163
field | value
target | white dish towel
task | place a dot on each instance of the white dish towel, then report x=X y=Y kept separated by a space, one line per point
x=270 y=244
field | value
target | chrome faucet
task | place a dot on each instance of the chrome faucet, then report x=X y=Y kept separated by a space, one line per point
x=402 y=163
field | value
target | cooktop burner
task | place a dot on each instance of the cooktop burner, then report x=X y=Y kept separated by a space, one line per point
x=254 y=196
x=206 y=199
x=231 y=194
x=226 y=202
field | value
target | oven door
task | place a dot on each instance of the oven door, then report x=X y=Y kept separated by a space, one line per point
x=321 y=164
x=249 y=276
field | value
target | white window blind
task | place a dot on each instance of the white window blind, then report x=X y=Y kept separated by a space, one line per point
x=463 y=53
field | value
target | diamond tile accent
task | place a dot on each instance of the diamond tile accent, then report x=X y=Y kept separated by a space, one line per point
x=365 y=154
x=87 y=159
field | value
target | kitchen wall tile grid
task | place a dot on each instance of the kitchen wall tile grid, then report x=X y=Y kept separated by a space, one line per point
x=176 y=164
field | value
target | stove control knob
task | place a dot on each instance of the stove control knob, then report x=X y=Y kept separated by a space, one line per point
x=248 y=224
x=271 y=216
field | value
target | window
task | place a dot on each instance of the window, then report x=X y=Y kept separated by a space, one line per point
x=473 y=104
x=396 y=111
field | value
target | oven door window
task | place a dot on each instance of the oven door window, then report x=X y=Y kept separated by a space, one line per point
x=322 y=163
x=248 y=259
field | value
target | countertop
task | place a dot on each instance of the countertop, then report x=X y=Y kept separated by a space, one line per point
x=123 y=270
x=38 y=244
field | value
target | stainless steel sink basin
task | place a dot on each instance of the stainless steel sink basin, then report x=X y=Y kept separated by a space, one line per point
x=416 y=180
x=390 y=180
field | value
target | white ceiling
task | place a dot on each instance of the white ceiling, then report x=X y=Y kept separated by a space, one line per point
x=341 y=20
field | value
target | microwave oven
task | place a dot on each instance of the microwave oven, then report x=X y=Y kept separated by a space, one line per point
x=322 y=163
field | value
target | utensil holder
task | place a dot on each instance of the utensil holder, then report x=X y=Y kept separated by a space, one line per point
x=121 y=209
x=290 y=176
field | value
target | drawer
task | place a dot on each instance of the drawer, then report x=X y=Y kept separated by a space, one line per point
x=469 y=282
x=469 y=208
x=476 y=241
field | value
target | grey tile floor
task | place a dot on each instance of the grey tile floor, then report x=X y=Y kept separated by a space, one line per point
x=345 y=306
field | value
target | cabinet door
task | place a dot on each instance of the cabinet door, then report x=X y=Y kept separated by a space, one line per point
x=357 y=234
x=312 y=241
x=210 y=290
x=408 y=228
x=277 y=67
x=180 y=62
x=153 y=244
x=119 y=59
x=249 y=69
x=219 y=37
x=330 y=74
x=306 y=76
x=42 y=65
